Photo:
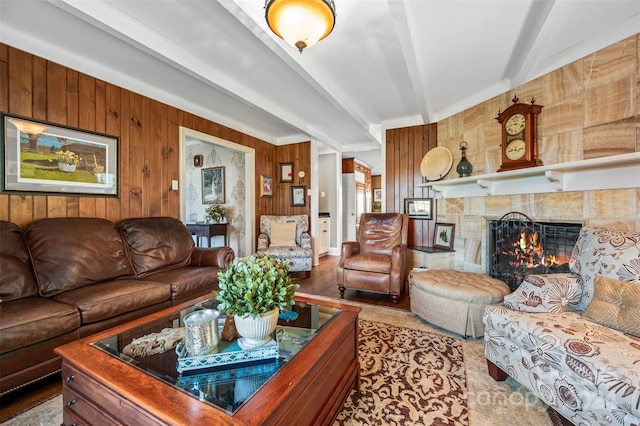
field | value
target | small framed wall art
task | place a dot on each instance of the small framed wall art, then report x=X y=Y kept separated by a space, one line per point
x=286 y=172
x=419 y=208
x=297 y=196
x=443 y=236
x=213 y=185
x=266 y=186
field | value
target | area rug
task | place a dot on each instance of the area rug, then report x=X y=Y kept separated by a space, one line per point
x=433 y=378
x=407 y=377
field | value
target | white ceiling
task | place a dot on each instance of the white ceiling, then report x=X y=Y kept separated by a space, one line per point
x=387 y=63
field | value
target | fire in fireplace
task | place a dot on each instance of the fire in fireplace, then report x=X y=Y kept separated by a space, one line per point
x=519 y=247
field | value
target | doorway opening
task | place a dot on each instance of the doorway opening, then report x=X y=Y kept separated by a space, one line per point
x=242 y=234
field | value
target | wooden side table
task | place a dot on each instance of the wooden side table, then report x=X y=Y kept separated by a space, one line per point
x=208 y=230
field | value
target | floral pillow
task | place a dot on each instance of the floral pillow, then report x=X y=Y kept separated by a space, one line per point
x=546 y=293
x=611 y=253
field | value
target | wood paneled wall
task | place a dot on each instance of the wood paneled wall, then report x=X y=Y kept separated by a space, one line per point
x=149 y=142
x=405 y=148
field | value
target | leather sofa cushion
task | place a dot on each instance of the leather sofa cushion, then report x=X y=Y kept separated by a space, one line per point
x=31 y=320
x=188 y=280
x=157 y=243
x=16 y=280
x=70 y=253
x=112 y=298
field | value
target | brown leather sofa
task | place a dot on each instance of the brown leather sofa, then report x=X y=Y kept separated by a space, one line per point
x=377 y=261
x=66 y=278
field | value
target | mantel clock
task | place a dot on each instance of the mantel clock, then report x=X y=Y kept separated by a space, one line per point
x=519 y=135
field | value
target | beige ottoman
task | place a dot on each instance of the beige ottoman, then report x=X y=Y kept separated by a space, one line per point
x=454 y=300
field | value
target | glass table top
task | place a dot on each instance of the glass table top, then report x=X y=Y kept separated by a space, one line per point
x=225 y=386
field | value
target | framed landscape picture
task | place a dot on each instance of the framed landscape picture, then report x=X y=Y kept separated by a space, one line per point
x=419 y=208
x=41 y=157
x=213 y=185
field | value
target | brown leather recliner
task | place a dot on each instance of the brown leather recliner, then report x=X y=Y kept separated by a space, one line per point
x=376 y=262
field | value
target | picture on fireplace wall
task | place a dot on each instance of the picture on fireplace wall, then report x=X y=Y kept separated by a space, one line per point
x=41 y=157
x=419 y=208
x=443 y=236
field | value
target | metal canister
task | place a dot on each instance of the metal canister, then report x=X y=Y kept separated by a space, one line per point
x=201 y=332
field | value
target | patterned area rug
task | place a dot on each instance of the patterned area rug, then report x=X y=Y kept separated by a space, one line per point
x=392 y=390
x=407 y=377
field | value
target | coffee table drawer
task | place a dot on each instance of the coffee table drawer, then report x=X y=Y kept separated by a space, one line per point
x=88 y=394
x=79 y=411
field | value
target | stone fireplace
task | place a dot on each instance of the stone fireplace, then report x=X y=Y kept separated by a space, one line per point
x=518 y=246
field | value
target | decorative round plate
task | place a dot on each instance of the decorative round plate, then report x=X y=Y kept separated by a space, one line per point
x=436 y=163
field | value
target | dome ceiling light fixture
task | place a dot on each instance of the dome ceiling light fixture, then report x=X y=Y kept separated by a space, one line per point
x=301 y=23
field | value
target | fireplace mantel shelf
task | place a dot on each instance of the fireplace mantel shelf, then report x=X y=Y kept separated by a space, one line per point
x=616 y=171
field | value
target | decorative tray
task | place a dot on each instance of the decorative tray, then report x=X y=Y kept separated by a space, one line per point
x=229 y=353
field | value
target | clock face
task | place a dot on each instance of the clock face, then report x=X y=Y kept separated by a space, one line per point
x=515 y=124
x=515 y=149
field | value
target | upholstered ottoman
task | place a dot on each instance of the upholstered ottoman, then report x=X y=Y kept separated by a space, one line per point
x=454 y=300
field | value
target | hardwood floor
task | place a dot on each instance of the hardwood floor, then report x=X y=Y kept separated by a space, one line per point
x=322 y=282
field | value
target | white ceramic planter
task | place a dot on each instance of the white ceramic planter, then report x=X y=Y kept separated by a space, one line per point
x=64 y=167
x=256 y=332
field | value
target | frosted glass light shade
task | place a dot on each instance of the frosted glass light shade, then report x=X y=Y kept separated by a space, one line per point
x=301 y=23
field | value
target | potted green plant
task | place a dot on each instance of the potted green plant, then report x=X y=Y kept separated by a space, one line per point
x=216 y=213
x=254 y=290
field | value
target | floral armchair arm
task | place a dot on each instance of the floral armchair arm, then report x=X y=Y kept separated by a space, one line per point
x=263 y=242
x=305 y=240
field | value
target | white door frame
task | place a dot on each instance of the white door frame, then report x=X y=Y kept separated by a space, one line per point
x=250 y=172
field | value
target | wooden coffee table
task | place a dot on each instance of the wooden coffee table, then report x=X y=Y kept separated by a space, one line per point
x=106 y=388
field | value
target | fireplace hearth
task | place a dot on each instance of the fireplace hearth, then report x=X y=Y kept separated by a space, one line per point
x=518 y=247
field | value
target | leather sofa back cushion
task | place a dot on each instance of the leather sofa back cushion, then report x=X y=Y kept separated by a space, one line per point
x=69 y=253
x=157 y=243
x=16 y=276
x=615 y=304
x=380 y=232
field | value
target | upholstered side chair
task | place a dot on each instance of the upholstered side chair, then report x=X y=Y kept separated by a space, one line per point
x=376 y=262
x=287 y=237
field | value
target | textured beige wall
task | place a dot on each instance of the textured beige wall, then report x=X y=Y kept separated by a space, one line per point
x=591 y=109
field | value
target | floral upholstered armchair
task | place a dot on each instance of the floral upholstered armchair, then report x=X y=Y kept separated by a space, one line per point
x=574 y=339
x=287 y=238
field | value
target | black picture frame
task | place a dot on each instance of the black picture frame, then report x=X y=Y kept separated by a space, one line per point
x=298 y=198
x=40 y=157
x=286 y=172
x=443 y=236
x=213 y=185
x=419 y=208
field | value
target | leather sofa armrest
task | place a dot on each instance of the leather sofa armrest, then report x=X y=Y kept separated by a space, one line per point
x=305 y=240
x=263 y=242
x=215 y=256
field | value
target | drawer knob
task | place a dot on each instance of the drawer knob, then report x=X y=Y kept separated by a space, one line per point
x=69 y=378
x=70 y=403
